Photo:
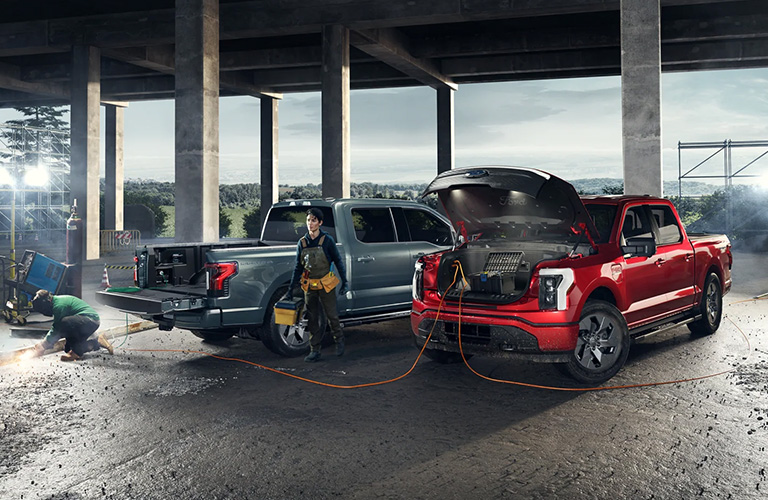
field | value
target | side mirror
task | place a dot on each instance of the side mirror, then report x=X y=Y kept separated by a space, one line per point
x=639 y=247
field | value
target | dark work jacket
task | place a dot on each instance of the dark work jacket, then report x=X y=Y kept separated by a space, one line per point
x=331 y=253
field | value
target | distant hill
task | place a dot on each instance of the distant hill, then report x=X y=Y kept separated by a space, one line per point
x=690 y=188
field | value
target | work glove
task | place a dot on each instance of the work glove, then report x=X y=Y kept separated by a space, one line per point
x=344 y=288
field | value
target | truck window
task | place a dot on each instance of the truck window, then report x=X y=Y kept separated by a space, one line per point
x=636 y=224
x=669 y=231
x=424 y=226
x=288 y=224
x=373 y=225
x=602 y=217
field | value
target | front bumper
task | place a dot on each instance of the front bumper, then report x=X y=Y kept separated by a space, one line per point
x=509 y=337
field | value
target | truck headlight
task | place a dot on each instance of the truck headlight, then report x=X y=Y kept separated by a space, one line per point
x=553 y=288
x=417 y=288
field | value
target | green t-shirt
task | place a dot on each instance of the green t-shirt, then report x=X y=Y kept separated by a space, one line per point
x=63 y=306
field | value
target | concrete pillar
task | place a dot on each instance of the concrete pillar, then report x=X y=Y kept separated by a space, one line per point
x=445 y=130
x=335 y=110
x=269 y=135
x=197 y=120
x=113 y=167
x=84 y=148
x=641 y=96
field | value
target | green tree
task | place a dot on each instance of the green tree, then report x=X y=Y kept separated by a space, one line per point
x=613 y=189
x=30 y=139
x=225 y=223
x=133 y=198
x=252 y=223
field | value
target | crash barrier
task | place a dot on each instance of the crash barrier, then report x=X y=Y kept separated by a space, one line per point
x=114 y=241
x=464 y=358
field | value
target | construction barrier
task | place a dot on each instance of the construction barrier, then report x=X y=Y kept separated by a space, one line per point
x=116 y=241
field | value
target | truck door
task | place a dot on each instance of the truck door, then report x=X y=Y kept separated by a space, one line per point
x=644 y=276
x=675 y=256
x=381 y=270
x=421 y=231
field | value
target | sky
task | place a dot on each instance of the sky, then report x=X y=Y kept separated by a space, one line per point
x=570 y=128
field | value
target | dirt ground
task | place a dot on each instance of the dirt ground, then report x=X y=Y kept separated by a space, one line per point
x=151 y=423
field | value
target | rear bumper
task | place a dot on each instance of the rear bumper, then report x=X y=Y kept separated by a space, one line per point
x=493 y=336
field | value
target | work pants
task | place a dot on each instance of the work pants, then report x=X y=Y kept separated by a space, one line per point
x=76 y=330
x=316 y=301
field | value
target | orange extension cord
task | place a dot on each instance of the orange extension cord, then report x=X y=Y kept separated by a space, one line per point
x=458 y=267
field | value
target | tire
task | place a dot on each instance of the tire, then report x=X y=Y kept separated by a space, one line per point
x=290 y=341
x=603 y=344
x=710 y=308
x=213 y=335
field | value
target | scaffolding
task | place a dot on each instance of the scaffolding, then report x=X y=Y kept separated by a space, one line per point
x=726 y=148
x=40 y=213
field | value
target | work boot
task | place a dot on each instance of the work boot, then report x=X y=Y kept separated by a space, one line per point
x=70 y=356
x=340 y=347
x=103 y=342
x=312 y=357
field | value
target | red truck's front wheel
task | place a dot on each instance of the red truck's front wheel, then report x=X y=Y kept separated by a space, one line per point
x=602 y=346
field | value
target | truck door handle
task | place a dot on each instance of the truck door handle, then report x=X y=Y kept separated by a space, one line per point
x=688 y=257
x=366 y=258
x=660 y=262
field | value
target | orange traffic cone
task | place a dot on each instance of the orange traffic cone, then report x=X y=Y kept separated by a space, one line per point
x=105 y=279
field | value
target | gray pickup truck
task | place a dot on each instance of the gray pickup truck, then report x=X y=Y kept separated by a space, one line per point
x=218 y=290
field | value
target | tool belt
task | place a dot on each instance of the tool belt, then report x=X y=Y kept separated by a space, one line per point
x=327 y=283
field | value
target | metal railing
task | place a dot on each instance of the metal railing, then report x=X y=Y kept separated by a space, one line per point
x=119 y=240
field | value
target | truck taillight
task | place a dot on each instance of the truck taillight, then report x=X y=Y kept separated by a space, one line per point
x=135 y=270
x=425 y=275
x=218 y=274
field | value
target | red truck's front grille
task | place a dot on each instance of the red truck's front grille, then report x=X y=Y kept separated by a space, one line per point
x=470 y=334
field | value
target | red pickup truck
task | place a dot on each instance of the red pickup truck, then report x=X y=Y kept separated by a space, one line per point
x=541 y=273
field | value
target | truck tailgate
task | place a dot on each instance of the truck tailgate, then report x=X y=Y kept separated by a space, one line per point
x=155 y=301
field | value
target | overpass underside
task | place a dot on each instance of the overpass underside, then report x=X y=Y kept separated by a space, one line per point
x=91 y=54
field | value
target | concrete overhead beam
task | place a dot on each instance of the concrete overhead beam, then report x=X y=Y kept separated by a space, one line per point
x=551 y=61
x=62 y=72
x=287 y=57
x=391 y=46
x=161 y=58
x=363 y=72
x=10 y=78
x=280 y=17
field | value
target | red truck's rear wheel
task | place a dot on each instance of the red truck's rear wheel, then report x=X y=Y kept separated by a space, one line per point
x=710 y=308
x=602 y=346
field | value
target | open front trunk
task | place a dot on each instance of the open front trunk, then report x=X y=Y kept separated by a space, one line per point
x=509 y=219
x=498 y=273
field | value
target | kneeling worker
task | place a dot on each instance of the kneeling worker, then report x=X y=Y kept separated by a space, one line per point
x=315 y=253
x=74 y=320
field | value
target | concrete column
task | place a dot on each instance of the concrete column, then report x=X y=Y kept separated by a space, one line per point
x=84 y=149
x=641 y=96
x=197 y=120
x=113 y=168
x=445 y=130
x=269 y=135
x=335 y=110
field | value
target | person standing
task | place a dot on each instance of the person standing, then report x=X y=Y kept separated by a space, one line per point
x=74 y=320
x=315 y=252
